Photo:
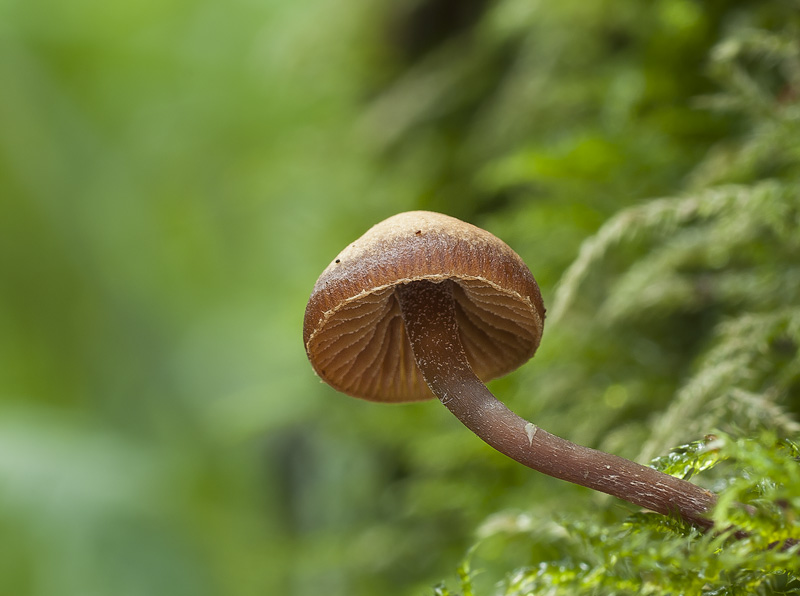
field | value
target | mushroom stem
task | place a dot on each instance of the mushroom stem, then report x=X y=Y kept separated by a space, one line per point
x=428 y=310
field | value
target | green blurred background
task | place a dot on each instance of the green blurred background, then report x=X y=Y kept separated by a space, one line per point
x=173 y=177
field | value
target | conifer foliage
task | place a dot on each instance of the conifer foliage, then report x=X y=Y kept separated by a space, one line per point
x=725 y=254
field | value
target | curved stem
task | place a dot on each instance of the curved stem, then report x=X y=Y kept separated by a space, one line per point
x=429 y=314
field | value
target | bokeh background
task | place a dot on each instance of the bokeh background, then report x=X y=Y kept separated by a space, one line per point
x=175 y=174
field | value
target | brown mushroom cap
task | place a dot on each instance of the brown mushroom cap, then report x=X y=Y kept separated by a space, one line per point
x=353 y=330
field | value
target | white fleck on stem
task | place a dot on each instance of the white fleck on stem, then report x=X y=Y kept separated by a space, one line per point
x=530 y=430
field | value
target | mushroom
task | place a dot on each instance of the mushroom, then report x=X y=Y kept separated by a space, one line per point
x=426 y=305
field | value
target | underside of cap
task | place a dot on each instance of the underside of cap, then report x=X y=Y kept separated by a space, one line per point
x=353 y=330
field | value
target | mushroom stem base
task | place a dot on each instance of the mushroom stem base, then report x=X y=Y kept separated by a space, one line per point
x=429 y=314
